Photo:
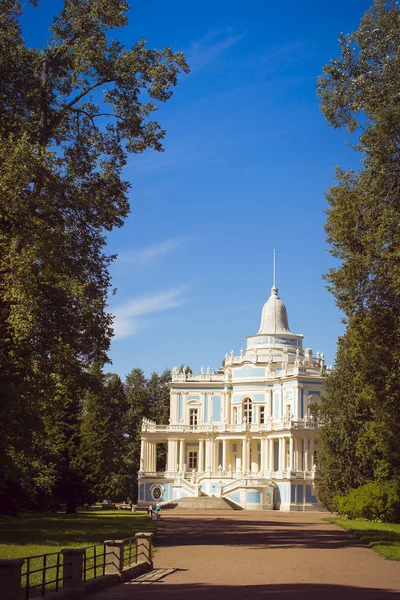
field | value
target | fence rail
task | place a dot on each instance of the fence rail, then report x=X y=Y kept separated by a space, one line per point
x=42 y=574
x=94 y=559
x=73 y=568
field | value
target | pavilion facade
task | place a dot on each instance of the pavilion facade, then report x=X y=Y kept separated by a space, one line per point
x=246 y=432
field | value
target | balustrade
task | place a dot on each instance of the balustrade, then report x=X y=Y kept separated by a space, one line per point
x=284 y=424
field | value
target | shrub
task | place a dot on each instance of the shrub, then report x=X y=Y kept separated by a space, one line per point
x=379 y=500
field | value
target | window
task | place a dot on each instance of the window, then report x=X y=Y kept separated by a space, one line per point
x=235 y=415
x=156 y=492
x=248 y=411
x=193 y=417
x=192 y=460
x=262 y=415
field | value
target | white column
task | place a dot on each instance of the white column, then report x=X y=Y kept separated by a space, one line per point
x=181 y=454
x=305 y=466
x=200 y=464
x=224 y=454
x=301 y=454
x=142 y=455
x=171 y=455
x=228 y=407
x=155 y=456
x=271 y=454
x=150 y=457
x=244 y=456
x=212 y=455
x=263 y=455
x=254 y=456
x=291 y=454
x=145 y=456
x=282 y=453
x=312 y=452
x=208 y=463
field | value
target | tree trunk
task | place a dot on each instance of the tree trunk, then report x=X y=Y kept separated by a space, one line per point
x=71 y=508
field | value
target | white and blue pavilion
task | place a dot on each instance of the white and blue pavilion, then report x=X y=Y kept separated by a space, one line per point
x=247 y=432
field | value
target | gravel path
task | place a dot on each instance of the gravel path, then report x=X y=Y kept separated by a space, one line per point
x=259 y=555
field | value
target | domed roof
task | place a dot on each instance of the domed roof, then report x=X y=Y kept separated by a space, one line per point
x=274 y=317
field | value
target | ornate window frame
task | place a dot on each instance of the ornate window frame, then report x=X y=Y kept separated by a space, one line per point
x=154 y=489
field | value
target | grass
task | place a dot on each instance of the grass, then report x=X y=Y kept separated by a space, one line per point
x=29 y=535
x=384 y=538
x=33 y=535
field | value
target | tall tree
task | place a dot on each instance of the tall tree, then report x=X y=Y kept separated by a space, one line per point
x=103 y=444
x=160 y=396
x=69 y=114
x=139 y=406
x=119 y=482
x=359 y=90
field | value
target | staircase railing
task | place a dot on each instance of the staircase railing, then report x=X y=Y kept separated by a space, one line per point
x=188 y=487
x=233 y=485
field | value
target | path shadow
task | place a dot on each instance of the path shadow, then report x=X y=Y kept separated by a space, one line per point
x=254 y=592
x=181 y=531
x=154 y=576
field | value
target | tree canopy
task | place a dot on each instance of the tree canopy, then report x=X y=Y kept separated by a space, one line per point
x=70 y=113
x=359 y=90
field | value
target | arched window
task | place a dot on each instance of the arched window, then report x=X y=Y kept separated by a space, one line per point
x=247 y=410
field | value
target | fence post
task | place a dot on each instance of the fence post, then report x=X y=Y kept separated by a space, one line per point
x=114 y=557
x=72 y=567
x=146 y=540
x=10 y=578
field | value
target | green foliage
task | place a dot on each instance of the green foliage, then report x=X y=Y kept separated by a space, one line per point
x=160 y=396
x=359 y=442
x=384 y=538
x=69 y=114
x=103 y=444
x=374 y=501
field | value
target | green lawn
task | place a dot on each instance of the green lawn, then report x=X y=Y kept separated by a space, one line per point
x=384 y=538
x=28 y=535
x=32 y=535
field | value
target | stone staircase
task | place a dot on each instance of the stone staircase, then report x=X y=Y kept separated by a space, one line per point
x=202 y=503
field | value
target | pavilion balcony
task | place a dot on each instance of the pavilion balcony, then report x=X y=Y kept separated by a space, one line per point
x=281 y=425
x=312 y=370
x=229 y=477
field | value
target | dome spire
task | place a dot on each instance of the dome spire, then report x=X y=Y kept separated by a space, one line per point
x=274 y=318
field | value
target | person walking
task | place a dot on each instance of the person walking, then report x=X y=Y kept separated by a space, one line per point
x=150 y=511
x=158 y=511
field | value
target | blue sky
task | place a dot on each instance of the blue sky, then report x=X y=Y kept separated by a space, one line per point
x=247 y=159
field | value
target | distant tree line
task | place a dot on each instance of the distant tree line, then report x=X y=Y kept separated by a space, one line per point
x=92 y=452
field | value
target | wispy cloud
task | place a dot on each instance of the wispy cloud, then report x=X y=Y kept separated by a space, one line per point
x=127 y=319
x=211 y=45
x=145 y=256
